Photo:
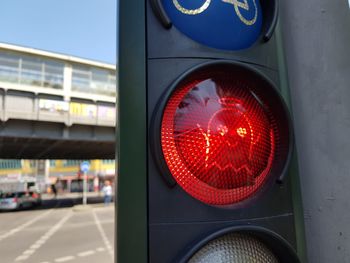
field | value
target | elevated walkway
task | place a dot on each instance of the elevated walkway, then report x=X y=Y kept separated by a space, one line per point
x=54 y=106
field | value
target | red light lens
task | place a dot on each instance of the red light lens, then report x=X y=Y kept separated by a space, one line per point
x=218 y=137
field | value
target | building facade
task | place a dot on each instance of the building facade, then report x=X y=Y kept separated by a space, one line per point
x=44 y=86
x=65 y=174
x=66 y=97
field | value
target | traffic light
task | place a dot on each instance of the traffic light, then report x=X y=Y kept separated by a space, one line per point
x=207 y=163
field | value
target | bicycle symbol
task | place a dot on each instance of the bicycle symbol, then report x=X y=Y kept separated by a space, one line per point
x=238 y=5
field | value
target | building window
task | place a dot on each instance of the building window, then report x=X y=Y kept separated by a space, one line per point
x=9 y=67
x=32 y=163
x=94 y=80
x=31 y=70
x=72 y=163
x=108 y=161
x=10 y=164
x=52 y=163
x=53 y=74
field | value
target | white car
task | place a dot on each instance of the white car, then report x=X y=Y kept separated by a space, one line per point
x=19 y=200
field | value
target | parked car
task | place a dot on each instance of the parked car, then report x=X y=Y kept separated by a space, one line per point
x=19 y=200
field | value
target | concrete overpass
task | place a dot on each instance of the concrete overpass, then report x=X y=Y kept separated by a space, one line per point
x=55 y=106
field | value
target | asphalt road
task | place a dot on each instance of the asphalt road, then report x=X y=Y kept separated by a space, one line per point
x=57 y=232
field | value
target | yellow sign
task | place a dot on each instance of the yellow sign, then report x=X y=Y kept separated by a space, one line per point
x=84 y=110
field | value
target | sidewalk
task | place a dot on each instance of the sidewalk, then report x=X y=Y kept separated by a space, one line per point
x=70 y=195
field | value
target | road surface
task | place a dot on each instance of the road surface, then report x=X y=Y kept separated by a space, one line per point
x=58 y=233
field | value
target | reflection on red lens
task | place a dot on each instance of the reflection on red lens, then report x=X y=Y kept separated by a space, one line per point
x=217 y=139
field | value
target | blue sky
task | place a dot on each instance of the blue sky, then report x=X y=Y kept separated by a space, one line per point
x=83 y=28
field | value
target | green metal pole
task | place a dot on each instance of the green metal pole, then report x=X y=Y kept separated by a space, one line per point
x=131 y=205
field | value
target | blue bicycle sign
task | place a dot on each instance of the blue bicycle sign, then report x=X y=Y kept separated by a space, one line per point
x=223 y=24
x=237 y=6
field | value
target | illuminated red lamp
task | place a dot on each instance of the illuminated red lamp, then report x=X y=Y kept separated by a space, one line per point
x=218 y=136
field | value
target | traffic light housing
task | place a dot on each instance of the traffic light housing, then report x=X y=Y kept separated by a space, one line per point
x=206 y=141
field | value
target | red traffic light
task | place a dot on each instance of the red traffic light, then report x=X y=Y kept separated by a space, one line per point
x=219 y=134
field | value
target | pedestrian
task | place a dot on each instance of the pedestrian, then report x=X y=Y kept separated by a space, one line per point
x=54 y=190
x=107 y=192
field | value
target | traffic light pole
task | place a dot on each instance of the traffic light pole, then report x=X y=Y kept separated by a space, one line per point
x=131 y=212
x=85 y=188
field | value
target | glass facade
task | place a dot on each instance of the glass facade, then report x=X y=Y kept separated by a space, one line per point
x=93 y=80
x=9 y=67
x=30 y=70
x=53 y=76
x=40 y=72
x=72 y=163
x=106 y=161
x=10 y=164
